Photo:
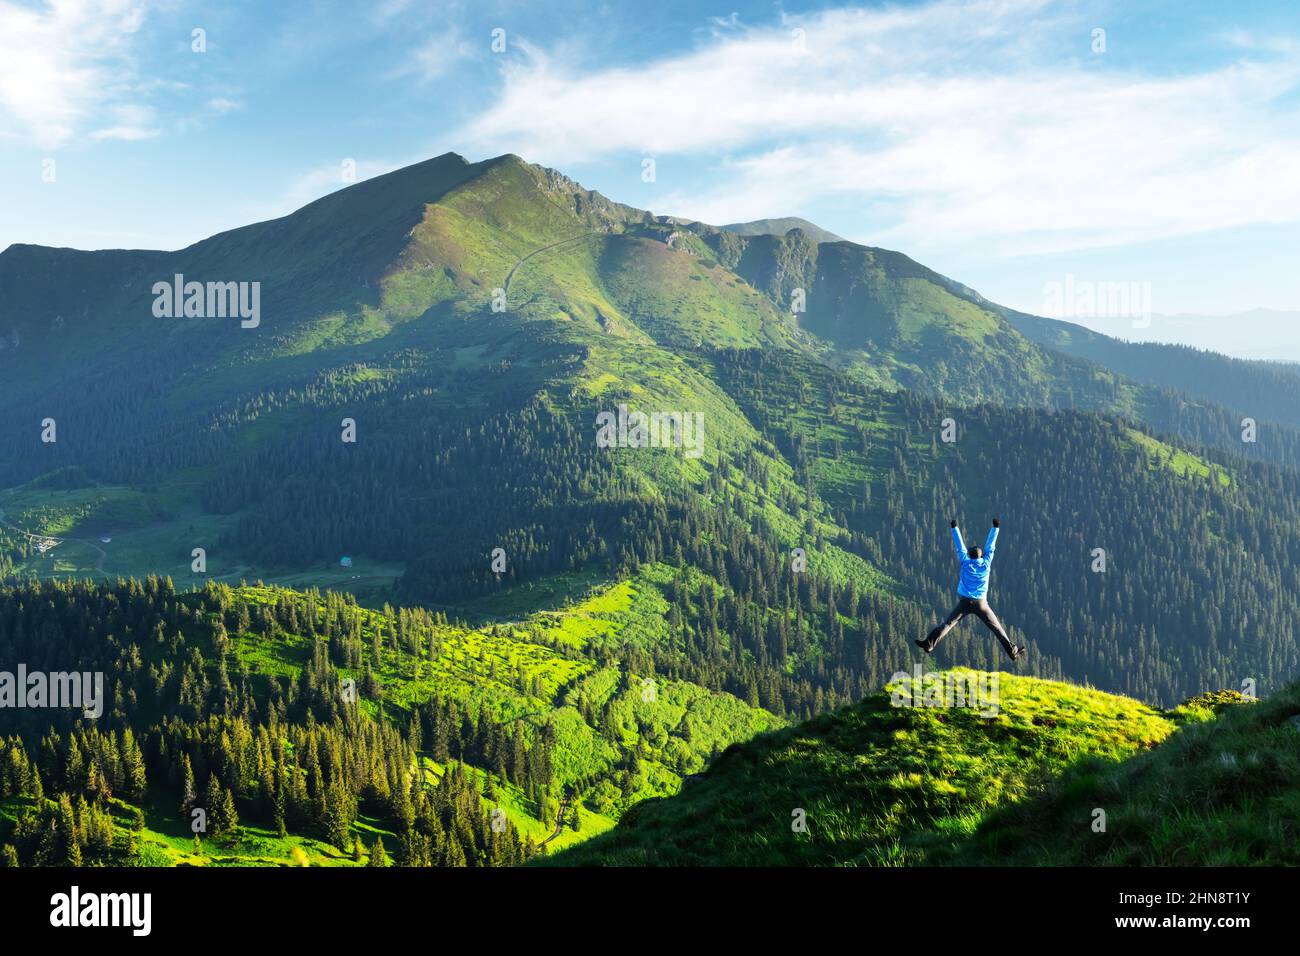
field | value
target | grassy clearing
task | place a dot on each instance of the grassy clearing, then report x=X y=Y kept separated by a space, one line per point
x=1180 y=462
x=155 y=533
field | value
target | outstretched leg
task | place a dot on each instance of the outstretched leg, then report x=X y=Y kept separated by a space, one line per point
x=985 y=614
x=940 y=631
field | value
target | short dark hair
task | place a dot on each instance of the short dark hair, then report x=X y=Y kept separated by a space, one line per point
x=975 y=551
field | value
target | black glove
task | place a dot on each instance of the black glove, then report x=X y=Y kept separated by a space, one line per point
x=996 y=524
x=952 y=523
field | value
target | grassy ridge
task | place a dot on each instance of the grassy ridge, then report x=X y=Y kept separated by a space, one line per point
x=878 y=784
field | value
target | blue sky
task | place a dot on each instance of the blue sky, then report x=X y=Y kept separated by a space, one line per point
x=991 y=140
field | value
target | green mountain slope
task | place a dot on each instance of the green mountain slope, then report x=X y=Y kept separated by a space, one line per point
x=891 y=782
x=433 y=242
x=1268 y=391
x=327 y=722
x=473 y=320
x=1164 y=519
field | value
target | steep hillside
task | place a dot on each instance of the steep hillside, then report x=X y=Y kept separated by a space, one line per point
x=301 y=723
x=891 y=322
x=468 y=324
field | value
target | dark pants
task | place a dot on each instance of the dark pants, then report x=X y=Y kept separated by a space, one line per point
x=980 y=608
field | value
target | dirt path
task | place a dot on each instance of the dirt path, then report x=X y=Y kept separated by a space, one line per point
x=562 y=242
x=559 y=822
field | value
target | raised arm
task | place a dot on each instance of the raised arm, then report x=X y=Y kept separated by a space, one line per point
x=958 y=543
x=992 y=541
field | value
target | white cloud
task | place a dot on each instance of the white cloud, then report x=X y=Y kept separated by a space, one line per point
x=435 y=57
x=61 y=63
x=383 y=11
x=131 y=122
x=124 y=133
x=223 y=105
x=977 y=123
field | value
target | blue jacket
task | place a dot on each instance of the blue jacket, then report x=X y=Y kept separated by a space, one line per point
x=974 y=582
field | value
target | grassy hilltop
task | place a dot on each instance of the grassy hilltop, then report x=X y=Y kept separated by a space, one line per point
x=887 y=785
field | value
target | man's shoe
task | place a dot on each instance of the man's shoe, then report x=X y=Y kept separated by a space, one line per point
x=924 y=645
x=1016 y=651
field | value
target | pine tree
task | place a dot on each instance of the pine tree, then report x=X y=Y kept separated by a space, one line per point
x=69 y=837
x=229 y=817
x=279 y=820
x=188 y=792
x=133 y=767
x=215 y=805
x=74 y=774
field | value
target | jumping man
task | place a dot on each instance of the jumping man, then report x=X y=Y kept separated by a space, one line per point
x=971 y=590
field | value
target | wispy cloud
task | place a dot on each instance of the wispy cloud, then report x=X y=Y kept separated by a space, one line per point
x=957 y=122
x=435 y=57
x=62 y=62
x=130 y=122
x=223 y=104
x=124 y=133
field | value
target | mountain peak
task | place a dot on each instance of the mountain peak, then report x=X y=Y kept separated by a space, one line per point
x=780 y=227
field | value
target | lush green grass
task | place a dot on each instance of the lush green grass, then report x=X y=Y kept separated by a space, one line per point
x=878 y=784
x=1220 y=791
x=534 y=670
x=524 y=814
x=680 y=298
x=620 y=737
x=167 y=840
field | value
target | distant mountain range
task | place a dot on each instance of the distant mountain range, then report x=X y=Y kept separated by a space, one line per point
x=1264 y=334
